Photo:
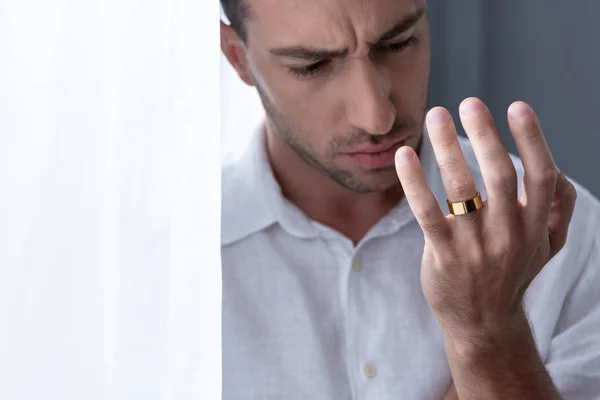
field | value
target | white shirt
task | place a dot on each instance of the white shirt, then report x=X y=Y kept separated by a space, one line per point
x=307 y=315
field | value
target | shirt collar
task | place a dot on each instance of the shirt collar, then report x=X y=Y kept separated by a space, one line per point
x=252 y=199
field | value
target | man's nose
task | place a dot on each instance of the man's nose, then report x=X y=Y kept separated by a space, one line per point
x=369 y=105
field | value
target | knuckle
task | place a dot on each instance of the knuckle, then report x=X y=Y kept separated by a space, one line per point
x=423 y=214
x=531 y=136
x=506 y=241
x=448 y=143
x=504 y=247
x=504 y=183
x=449 y=164
x=484 y=131
x=545 y=178
x=503 y=178
x=430 y=227
x=478 y=256
x=462 y=187
x=434 y=231
x=411 y=181
x=448 y=258
x=492 y=155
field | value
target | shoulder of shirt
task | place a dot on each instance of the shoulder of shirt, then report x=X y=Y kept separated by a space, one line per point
x=584 y=230
x=243 y=210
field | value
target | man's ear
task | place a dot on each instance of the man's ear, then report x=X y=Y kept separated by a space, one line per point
x=234 y=49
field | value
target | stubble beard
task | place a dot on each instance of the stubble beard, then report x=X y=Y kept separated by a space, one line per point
x=291 y=137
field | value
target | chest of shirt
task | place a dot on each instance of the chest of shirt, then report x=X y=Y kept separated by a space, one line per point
x=319 y=319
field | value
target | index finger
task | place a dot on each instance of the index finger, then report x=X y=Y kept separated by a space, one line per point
x=419 y=196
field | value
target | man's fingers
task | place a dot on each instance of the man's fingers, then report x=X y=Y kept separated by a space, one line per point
x=561 y=213
x=496 y=166
x=456 y=176
x=540 y=171
x=419 y=196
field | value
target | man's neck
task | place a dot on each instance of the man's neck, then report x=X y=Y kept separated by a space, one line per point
x=321 y=198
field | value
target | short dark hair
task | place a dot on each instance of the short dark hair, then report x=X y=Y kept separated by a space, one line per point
x=236 y=12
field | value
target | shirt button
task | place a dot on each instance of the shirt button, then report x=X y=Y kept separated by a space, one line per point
x=369 y=370
x=356 y=265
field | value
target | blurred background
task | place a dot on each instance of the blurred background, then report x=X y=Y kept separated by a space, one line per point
x=541 y=52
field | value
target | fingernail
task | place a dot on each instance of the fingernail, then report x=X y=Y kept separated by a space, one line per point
x=519 y=110
x=438 y=117
x=471 y=107
x=403 y=155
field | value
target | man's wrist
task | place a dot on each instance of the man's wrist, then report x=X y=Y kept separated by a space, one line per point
x=472 y=343
x=498 y=361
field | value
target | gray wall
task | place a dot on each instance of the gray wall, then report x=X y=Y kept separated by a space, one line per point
x=543 y=52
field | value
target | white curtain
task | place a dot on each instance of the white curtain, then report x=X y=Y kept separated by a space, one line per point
x=109 y=200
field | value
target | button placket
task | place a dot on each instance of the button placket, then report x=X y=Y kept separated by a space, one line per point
x=354 y=359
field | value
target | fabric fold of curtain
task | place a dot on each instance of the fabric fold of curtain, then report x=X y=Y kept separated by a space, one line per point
x=110 y=200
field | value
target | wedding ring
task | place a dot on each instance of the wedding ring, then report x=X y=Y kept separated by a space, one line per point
x=465 y=207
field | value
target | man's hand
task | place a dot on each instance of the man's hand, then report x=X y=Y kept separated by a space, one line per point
x=476 y=267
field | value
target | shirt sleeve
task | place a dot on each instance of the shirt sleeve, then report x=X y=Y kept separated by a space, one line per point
x=574 y=357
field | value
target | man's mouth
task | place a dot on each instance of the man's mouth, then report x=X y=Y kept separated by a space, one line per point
x=376 y=156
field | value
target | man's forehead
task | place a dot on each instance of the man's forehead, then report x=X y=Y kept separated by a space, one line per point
x=324 y=22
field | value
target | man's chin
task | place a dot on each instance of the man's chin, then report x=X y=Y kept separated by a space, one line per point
x=372 y=181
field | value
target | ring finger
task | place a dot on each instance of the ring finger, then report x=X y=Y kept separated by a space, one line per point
x=456 y=176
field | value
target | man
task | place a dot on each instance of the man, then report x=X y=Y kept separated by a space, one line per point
x=345 y=273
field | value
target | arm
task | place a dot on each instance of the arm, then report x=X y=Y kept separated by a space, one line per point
x=500 y=363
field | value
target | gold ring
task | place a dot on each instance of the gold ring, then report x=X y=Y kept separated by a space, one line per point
x=465 y=207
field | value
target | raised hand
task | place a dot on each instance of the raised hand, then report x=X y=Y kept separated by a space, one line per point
x=477 y=266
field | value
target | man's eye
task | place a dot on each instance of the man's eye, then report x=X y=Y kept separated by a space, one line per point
x=397 y=47
x=311 y=70
x=308 y=70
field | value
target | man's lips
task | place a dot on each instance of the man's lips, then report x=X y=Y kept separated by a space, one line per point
x=377 y=156
x=373 y=149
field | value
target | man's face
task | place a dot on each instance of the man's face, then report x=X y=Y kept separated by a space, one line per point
x=343 y=82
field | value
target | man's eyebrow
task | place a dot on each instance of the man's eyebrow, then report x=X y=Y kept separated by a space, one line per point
x=316 y=53
x=402 y=26
x=308 y=53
